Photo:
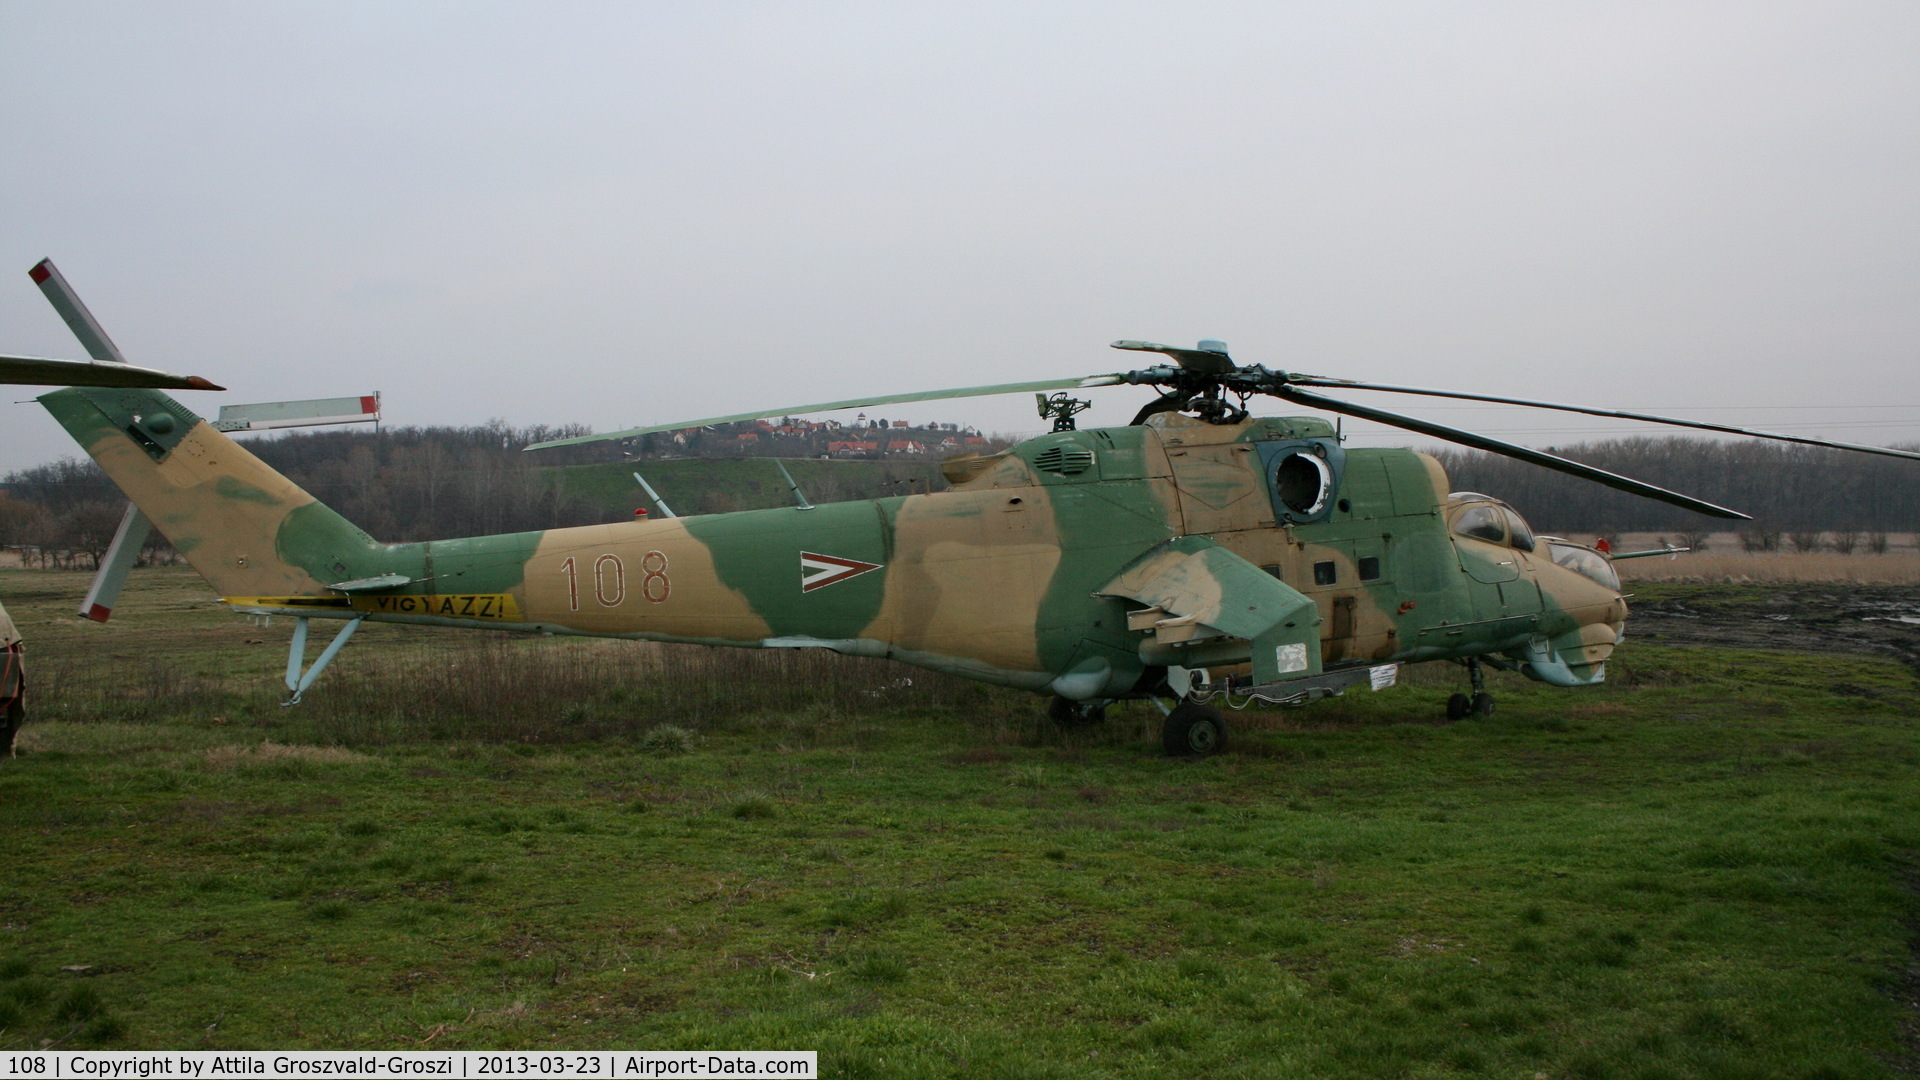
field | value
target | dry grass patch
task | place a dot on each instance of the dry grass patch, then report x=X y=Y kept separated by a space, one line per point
x=233 y=757
x=1893 y=568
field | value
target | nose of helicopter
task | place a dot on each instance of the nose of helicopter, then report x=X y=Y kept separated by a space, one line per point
x=1586 y=617
x=1575 y=658
x=1576 y=655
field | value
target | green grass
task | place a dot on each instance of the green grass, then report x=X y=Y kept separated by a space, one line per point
x=1695 y=871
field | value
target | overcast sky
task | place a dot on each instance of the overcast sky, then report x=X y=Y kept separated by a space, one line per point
x=618 y=214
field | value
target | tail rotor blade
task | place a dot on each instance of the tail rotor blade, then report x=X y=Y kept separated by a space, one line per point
x=1512 y=450
x=81 y=321
x=103 y=595
x=108 y=366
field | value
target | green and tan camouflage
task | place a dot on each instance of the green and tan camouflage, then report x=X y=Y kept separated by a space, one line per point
x=1176 y=556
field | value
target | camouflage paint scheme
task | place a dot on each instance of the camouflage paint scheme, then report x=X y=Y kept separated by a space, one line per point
x=1083 y=564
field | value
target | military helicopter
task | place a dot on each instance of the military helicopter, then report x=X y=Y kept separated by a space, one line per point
x=1200 y=556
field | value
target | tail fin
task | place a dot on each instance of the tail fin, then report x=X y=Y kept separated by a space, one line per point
x=247 y=529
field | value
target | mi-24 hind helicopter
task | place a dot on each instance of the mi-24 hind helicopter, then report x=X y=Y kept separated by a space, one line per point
x=1200 y=554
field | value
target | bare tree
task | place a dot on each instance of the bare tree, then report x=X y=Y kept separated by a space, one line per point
x=88 y=529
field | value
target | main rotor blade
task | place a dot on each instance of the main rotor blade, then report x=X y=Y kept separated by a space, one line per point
x=48 y=372
x=1350 y=384
x=1496 y=446
x=850 y=403
x=1198 y=361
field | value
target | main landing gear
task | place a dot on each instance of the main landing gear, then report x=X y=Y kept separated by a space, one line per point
x=1459 y=706
x=1191 y=729
x=1194 y=730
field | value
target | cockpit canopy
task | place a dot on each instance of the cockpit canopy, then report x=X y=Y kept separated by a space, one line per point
x=1492 y=521
x=1584 y=561
x=1487 y=518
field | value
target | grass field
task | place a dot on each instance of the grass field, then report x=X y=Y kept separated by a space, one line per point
x=1702 y=869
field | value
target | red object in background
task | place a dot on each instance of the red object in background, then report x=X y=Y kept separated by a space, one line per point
x=642 y=512
x=1600 y=545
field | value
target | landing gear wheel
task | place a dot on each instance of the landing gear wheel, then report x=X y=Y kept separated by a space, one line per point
x=1458 y=706
x=1194 y=730
x=1075 y=714
x=1482 y=704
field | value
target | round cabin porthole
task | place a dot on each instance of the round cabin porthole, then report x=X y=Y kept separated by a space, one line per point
x=1303 y=482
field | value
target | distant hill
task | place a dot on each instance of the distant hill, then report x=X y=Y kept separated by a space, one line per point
x=718 y=485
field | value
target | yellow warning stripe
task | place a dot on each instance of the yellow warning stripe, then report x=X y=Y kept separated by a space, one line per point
x=497 y=607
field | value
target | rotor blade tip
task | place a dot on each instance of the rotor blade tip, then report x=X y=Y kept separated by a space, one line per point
x=41 y=271
x=195 y=382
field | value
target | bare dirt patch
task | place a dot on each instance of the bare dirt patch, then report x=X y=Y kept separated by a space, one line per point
x=1810 y=617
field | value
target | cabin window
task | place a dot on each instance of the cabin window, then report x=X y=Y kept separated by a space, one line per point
x=1369 y=568
x=1274 y=570
x=1483 y=522
x=1324 y=573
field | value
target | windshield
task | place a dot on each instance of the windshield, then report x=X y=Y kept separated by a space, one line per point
x=1517 y=529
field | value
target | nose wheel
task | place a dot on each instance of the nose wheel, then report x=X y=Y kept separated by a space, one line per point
x=1461 y=706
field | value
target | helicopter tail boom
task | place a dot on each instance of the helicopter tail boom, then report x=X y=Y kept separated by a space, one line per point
x=244 y=527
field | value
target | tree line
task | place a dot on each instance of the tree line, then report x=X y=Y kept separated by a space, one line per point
x=418 y=483
x=399 y=484
x=1785 y=487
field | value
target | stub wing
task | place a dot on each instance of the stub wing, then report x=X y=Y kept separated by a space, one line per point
x=1195 y=589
